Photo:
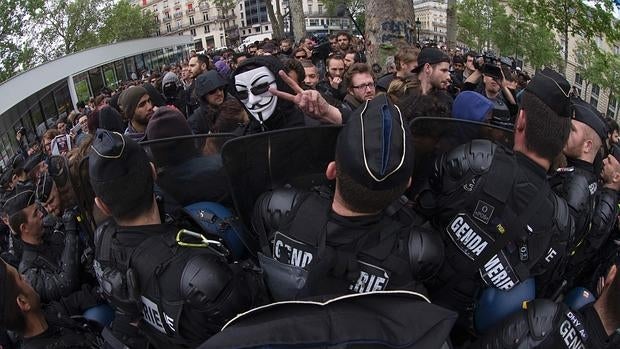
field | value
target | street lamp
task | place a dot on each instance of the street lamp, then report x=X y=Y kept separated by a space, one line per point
x=418 y=25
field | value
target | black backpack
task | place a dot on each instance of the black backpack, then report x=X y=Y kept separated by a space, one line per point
x=384 y=319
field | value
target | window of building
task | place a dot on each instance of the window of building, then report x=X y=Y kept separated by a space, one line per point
x=578 y=79
x=594 y=101
x=168 y=28
x=178 y=24
x=257 y=29
x=314 y=22
x=309 y=8
x=596 y=90
x=266 y=28
x=205 y=16
x=191 y=20
x=611 y=107
x=243 y=32
x=207 y=30
x=193 y=31
x=320 y=8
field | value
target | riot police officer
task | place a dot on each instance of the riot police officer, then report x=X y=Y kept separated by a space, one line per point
x=578 y=183
x=501 y=224
x=175 y=284
x=22 y=313
x=545 y=324
x=51 y=259
x=363 y=238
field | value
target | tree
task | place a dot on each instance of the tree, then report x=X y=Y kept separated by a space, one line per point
x=68 y=27
x=125 y=21
x=486 y=26
x=452 y=24
x=483 y=24
x=297 y=19
x=389 y=26
x=598 y=67
x=575 y=17
x=16 y=52
x=276 y=18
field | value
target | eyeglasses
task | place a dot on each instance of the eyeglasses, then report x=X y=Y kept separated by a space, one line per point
x=370 y=85
x=256 y=90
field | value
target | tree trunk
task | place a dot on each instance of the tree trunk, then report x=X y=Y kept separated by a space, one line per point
x=277 y=25
x=299 y=22
x=390 y=25
x=452 y=25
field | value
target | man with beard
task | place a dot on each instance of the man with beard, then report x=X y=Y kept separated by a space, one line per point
x=138 y=109
x=276 y=101
x=332 y=84
x=344 y=41
x=360 y=85
x=197 y=65
x=433 y=70
x=38 y=327
x=211 y=93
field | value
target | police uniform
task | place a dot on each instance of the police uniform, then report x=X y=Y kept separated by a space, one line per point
x=578 y=184
x=52 y=267
x=310 y=250
x=500 y=222
x=545 y=324
x=180 y=294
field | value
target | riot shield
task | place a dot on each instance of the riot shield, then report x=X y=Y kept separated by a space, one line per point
x=434 y=136
x=261 y=162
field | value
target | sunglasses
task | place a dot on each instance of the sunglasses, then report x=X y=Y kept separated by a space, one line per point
x=300 y=57
x=256 y=90
x=216 y=90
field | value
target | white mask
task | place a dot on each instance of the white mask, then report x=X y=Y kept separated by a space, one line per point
x=253 y=90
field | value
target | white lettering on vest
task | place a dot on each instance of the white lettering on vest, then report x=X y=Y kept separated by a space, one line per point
x=550 y=255
x=569 y=336
x=292 y=252
x=498 y=273
x=372 y=278
x=468 y=237
x=150 y=314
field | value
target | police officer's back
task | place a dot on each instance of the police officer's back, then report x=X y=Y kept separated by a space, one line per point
x=363 y=238
x=179 y=295
x=544 y=324
x=500 y=221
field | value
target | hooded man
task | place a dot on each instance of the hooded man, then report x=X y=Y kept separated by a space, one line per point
x=210 y=89
x=274 y=100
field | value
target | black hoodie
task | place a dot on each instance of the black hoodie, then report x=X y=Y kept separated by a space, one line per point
x=286 y=114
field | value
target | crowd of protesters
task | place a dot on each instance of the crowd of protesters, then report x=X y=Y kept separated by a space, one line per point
x=97 y=253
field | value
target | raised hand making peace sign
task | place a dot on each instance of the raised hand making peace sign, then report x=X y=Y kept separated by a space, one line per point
x=310 y=102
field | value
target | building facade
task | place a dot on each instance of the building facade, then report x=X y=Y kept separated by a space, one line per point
x=211 y=26
x=433 y=18
x=34 y=99
x=215 y=27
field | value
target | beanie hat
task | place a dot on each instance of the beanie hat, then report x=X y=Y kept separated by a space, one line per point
x=129 y=100
x=169 y=122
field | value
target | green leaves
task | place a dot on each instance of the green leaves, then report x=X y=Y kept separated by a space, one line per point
x=598 y=67
x=35 y=31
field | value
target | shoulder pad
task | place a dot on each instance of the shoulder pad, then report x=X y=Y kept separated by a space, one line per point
x=475 y=156
x=562 y=218
x=276 y=204
x=426 y=252
x=540 y=315
x=576 y=191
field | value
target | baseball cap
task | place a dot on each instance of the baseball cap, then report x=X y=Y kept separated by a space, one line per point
x=430 y=55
